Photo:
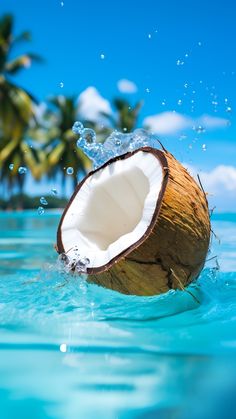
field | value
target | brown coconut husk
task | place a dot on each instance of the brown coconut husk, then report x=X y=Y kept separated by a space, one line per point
x=172 y=252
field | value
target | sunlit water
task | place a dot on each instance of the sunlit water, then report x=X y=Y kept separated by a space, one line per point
x=71 y=350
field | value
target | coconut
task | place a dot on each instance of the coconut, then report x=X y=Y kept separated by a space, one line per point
x=141 y=221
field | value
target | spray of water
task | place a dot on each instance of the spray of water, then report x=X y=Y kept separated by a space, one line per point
x=116 y=144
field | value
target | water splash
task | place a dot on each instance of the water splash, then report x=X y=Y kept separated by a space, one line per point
x=22 y=170
x=43 y=201
x=41 y=210
x=54 y=191
x=70 y=170
x=199 y=129
x=11 y=166
x=116 y=144
x=77 y=263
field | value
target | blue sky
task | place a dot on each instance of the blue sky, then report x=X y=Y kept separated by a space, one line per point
x=142 y=41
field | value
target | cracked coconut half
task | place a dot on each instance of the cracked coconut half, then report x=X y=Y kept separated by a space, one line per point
x=140 y=221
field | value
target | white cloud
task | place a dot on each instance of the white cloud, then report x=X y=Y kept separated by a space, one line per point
x=126 y=86
x=91 y=104
x=173 y=122
x=220 y=184
x=167 y=122
x=211 y=122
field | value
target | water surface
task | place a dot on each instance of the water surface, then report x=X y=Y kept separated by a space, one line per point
x=71 y=350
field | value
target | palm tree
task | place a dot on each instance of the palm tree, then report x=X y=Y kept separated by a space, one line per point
x=16 y=111
x=126 y=116
x=60 y=147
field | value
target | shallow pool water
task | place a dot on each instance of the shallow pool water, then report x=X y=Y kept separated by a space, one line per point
x=71 y=350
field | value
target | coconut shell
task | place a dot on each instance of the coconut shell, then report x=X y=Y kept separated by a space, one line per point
x=172 y=252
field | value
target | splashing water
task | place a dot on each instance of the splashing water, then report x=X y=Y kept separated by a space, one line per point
x=116 y=144
x=41 y=210
x=70 y=170
x=78 y=263
x=22 y=170
x=11 y=166
x=199 y=129
x=54 y=191
x=43 y=201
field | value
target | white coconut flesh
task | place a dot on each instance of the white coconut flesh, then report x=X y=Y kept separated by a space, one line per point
x=113 y=209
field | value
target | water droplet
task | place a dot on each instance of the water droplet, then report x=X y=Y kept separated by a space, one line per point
x=70 y=170
x=43 y=201
x=41 y=210
x=228 y=109
x=54 y=191
x=200 y=81
x=179 y=102
x=147 y=90
x=204 y=147
x=116 y=144
x=185 y=85
x=149 y=36
x=22 y=170
x=63 y=347
x=62 y=3
x=186 y=55
x=63 y=258
x=179 y=62
x=78 y=127
x=61 y=84
x=82 y=265
x=199 y=129
x=102 y=56
x=226 y=100
x=163 y=103
x=11 y=166
x=199 y=44
x=89 y=135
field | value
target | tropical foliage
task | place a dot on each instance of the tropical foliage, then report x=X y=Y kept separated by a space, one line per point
x=16 y=111
x=39 y=137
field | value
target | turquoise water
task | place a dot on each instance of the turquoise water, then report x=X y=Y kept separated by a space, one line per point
x=71 y=350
